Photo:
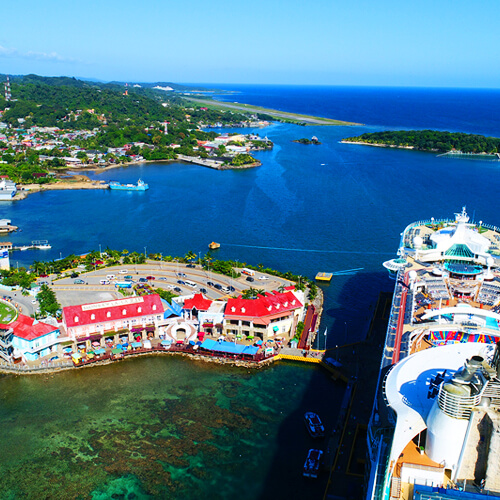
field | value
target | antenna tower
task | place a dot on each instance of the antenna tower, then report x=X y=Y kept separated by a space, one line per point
x=8 y=94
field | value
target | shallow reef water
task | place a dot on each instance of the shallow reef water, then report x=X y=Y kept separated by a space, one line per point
x=159 y=427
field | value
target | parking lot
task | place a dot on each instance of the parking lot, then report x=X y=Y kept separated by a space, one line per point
x=100 y=285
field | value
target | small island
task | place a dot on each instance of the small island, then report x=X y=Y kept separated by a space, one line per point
x=453 y=143
x=313 y=140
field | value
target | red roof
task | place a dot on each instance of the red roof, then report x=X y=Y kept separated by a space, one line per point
x=29 y=329
x=112 y=310
x=270 y=305
x=197 y=302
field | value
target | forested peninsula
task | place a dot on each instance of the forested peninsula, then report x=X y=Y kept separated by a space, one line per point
x=49 y=124
x=430 y=140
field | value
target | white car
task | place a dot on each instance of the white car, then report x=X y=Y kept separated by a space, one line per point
x=263 y=277
x=33 y=301
x=123 y=271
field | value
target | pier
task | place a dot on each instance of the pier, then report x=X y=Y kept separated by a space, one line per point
x=346 y=447
x=35 y=245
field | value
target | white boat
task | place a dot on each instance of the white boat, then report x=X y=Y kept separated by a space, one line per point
x=312 y=463
x=314 y=425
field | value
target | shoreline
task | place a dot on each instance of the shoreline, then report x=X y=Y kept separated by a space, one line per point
x=81 y=181
x=379 y=145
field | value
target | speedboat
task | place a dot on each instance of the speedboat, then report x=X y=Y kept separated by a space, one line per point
x=312 y=463
x=314 y=424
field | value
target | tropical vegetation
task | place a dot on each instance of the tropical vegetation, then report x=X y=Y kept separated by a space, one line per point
x=432 y=140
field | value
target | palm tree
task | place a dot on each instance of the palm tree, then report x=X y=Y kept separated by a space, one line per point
x=190 y=256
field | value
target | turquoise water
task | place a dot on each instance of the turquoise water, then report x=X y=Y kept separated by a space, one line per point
x=161 y=427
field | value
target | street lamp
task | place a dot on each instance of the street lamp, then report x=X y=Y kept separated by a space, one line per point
x=145 y=251
x=100 y=251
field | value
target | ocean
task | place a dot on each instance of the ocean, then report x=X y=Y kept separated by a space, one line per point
x=332 y=207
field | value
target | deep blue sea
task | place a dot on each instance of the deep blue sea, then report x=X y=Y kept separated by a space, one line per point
x=162 y=428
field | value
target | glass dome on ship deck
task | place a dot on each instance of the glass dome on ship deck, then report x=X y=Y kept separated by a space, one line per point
x=456 y=266
x=463 y=268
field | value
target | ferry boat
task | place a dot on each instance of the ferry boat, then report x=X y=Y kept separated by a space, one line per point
x=314 y=425
x=140 y=186
x=312 y=463
x=435 y=423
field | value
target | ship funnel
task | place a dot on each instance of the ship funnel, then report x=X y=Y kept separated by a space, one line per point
x=466 y=374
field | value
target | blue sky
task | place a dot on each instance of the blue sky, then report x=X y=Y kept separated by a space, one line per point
x=325 y=42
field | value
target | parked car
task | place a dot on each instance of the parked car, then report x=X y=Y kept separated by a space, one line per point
x=210 y=283
x=203 y=290
x=150 y=278
x=181 y=282
x=43 y=276
x=177 y=289
x=143 y=280
x=263 y=277
x=162 y=278
x=181 y=275
x=249 y=278
x=33 y=301
x=123 y=271
x=79 y=282
x=190 y=265
x=219 y=287
x=74 y=275
x=231 y=288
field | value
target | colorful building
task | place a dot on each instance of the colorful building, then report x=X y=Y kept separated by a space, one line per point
x=33 y=339
x=100 y=318
x=267 y=317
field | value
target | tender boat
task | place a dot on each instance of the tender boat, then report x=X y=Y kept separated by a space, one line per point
x=314 y=424
x=214 y=245
x=140 y=186
x=312 y=463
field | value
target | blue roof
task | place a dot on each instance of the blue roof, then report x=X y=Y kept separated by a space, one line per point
x=229 y=347
x=172 y=309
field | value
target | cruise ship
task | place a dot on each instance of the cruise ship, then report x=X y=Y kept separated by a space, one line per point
x=434 y=432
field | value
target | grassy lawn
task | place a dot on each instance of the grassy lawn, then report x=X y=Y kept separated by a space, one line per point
x=7 y=313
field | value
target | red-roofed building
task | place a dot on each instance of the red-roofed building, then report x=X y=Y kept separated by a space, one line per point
x=111 y=316
x=33 y=339
x=267 y=317
x=198 y=302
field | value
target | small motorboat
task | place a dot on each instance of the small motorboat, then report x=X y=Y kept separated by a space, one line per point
x=312 y=463
x=314 y=424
